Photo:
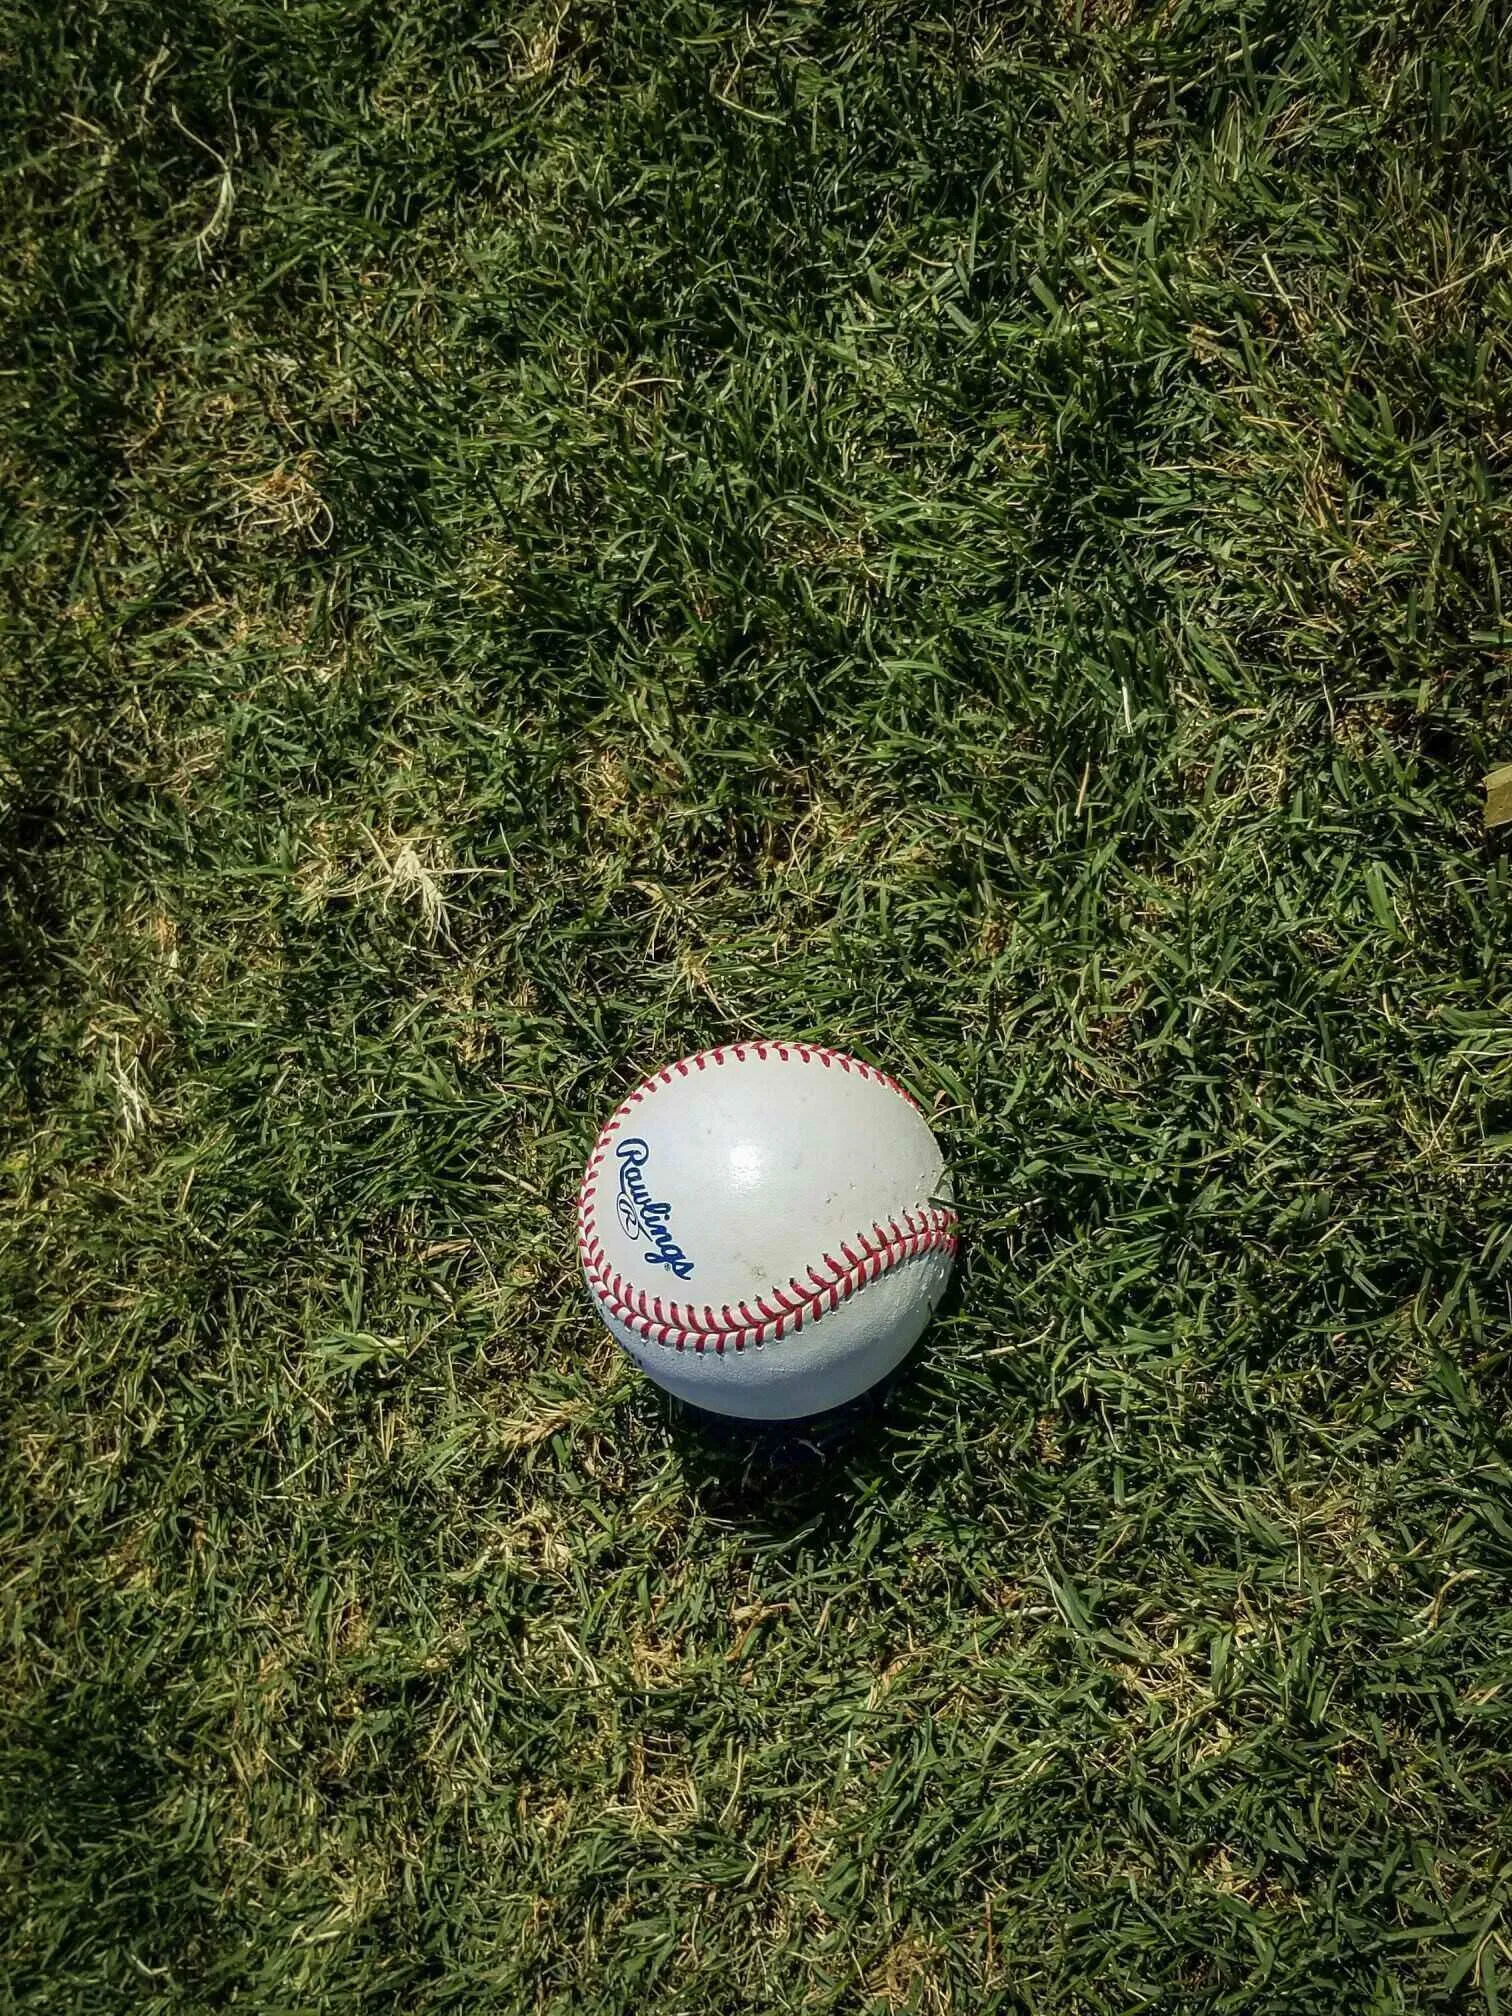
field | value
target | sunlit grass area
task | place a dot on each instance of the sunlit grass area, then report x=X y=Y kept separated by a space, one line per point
x=540 y=540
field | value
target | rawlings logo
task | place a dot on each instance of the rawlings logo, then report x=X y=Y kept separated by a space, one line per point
x=641 y=1216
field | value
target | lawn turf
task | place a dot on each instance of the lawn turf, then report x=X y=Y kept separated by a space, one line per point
x=537 y=541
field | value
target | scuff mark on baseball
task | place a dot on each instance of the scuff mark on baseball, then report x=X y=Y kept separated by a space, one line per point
x=766 y=1228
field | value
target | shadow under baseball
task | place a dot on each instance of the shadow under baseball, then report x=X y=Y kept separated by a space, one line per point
x=780 y=1478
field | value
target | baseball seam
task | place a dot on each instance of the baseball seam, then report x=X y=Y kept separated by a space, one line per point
x=783 y=1310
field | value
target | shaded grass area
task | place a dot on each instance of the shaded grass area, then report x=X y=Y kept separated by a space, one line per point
x=538 y=542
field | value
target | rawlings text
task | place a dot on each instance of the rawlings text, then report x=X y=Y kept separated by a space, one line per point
x=641 y=1216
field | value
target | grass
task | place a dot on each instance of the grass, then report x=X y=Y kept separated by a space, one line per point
x=537 y=541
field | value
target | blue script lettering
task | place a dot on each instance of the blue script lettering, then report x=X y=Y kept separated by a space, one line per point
x=641 y=1215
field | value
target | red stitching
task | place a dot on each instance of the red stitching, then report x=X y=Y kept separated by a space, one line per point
x=806 y=1053
x=691 y=1325
x=679 y=1324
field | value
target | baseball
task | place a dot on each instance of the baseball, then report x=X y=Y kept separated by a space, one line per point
x=766 y=1228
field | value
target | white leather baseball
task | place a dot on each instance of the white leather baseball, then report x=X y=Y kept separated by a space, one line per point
x=766 y=1228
